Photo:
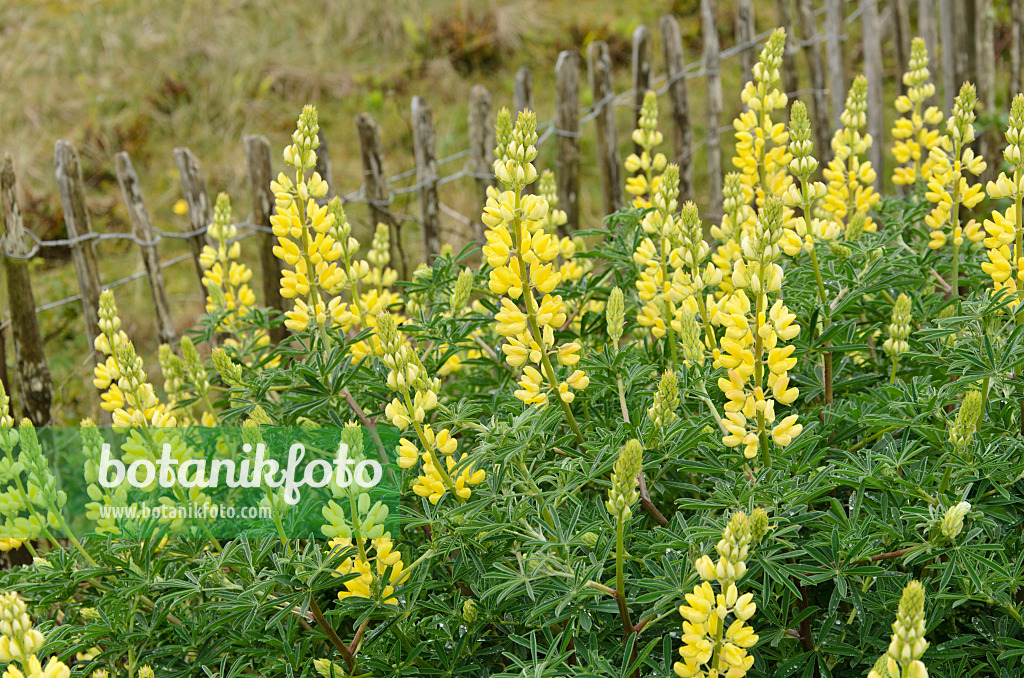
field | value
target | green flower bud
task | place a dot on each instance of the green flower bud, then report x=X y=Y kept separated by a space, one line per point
x=952 y=524
x=463 y=288
x=615 y=315
x=966 y=425
x=470 y=611
x=689 y=338
x=666 y=401
x=758 y=525
x=623 y=492
x=228 y=370
x=803 y=163
x=839 y=250
x=589 y=539
x=899 y=328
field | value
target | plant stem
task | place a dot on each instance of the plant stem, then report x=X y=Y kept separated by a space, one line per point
x=620 y=584
x=762 y=436
x=328 y=630
x=622 y=398
x=827 y=322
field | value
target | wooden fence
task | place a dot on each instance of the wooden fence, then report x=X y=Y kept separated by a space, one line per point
x=961 y=37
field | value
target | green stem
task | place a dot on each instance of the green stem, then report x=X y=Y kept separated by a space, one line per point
x=895 y=363
x=620 y=578
x=984 y=400
x=954 y=291
x=622 y=398
x=827 y=322
x=441 y=471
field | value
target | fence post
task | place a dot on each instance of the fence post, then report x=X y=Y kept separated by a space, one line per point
x=790 y=83
x=260 y=171
x=199 y=215
x=599 y=69
x=72 y=197
x=809 y=32
x=873 y=72
x=375 y=187
x=641 y=73
x=522 y=99
x=31 y=373
x=986 y=24
x=903 y=37
x=963 y=31
x=927 y=30
x=481 y=148
x=1016 y=28
x=834 y=53
x=713 y=68
x=522 y=90
x=948 y=49
x=745 y=36
x=323 y=167
x=672 y=46
x=426 y=176
x=142 y=228
x=567 y=129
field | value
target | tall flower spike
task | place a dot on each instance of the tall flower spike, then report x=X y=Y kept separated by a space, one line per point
x=442 y=470
x=953 y=161
x=663 y=284
x=952 y=523
x=851 y=192
x=21 y=641
x=710 y=648
x=615 y=316
x=761 y=153
x=648 y=164
x=751 y=351
x=805 y=193
x=1006 y=229
x=915 y=131
x=521 y=255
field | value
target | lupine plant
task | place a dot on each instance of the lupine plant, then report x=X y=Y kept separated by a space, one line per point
x=816 y=390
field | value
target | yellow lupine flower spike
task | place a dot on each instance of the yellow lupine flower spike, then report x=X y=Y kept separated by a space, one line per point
x=849 y=174
x=915 y=131
x=710 y=646
x=521 y=254
x=751 y=349
x=1006 y=229
x=953 y=161
x=648 y=165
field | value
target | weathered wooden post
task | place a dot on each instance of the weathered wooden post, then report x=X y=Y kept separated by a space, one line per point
x=261 y=173
x=819 y=119
x=323 y=167
x=193 y=187
x=142 y=228
x=72 y=197
x=481 y=149
x=31 y=373
x=834 y=55
x=375 y=186
x=986 y=24
x=901 y=8
x=522 y=90
x=784 y=19
x=675 y=63
x=948 y=50
x=745 y=36
x=641 y=73
x=567 y=129
x=426 y=177
x=713 y=68
x=1016 y=30
x=599 y=67
x=873 y=72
